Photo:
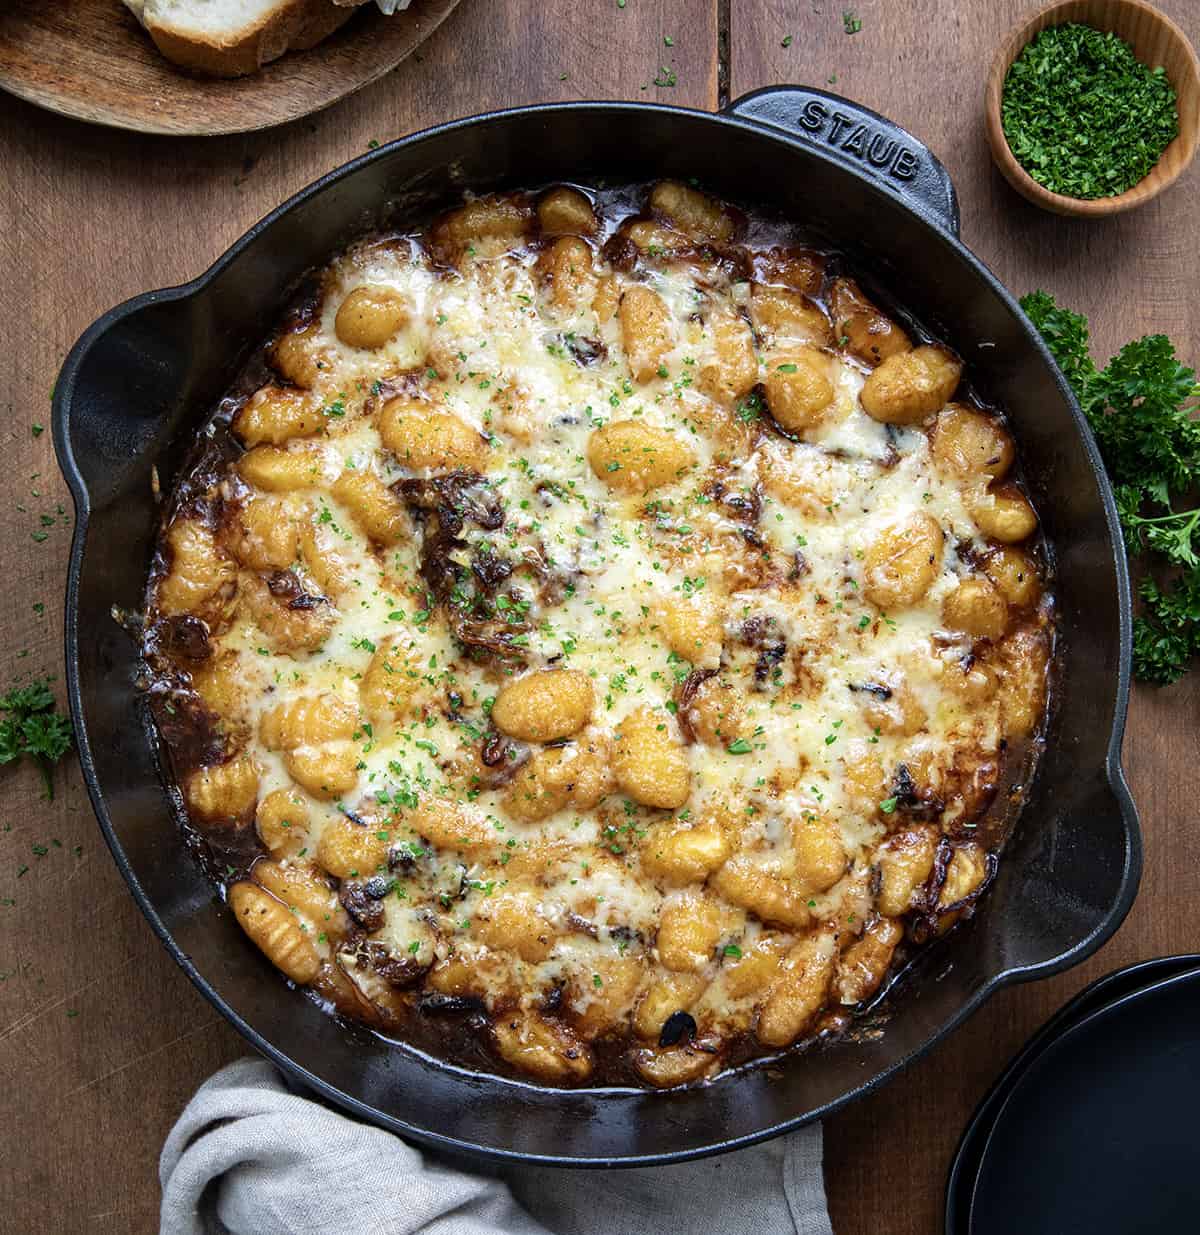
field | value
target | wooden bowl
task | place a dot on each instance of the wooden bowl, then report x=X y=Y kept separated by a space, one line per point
x=1156 y=40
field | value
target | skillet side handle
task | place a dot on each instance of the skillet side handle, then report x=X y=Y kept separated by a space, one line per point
x=861 y=138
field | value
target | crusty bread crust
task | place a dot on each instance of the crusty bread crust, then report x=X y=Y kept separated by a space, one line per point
x=293 y=25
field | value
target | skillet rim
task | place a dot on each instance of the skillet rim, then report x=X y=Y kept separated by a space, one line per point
x=1131 y=866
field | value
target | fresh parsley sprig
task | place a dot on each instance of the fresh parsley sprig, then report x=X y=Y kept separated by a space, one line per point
x=32 y=727
x=1141 y=407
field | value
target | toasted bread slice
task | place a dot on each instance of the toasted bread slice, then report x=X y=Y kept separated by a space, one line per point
x=230 y=38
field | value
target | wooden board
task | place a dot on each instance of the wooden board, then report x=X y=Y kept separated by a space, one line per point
x=90 y=59
x=90 y=217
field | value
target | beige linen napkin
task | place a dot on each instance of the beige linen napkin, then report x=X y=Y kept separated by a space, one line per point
x=249 y=1157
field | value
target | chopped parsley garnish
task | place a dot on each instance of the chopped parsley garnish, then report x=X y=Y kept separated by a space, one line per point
x=750 y=408
x=32 y=727
x=1083 y=115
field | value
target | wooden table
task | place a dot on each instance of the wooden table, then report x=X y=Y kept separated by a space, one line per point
x=102 y=1039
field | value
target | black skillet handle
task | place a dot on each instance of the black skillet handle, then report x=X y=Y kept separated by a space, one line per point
x=861 y=138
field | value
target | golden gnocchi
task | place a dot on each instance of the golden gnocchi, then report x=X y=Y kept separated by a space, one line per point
x=199 y=578
x=274 y=931
x=372 y=505
x=283 y=469
x=863 y=329
x=902 y=562
x=565 y=269
x=783 y=316
x=370 y=316
x=733 y=370
x=909 y=386
x=692 y=212
x=276 y=414
x=799 y=388
x=566 y=211
x=577 y=775
x=611 y=624
x=545 y=706
x=425 y=437
x=224 y=792
x=646 y=331
x=632 y=457
x=649 y=760
x=281 y=821
x=262 y=534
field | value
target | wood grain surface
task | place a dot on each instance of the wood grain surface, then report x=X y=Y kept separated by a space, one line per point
x=92 y=60
x=102 y=1039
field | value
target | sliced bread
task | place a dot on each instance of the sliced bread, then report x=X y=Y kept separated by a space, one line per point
x=230 y=38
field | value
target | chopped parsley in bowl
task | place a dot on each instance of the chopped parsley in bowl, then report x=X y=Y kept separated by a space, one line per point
x=1083 y=116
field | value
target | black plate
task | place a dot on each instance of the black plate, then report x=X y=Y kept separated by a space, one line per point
x=1090 y=1129
x=964 y=1170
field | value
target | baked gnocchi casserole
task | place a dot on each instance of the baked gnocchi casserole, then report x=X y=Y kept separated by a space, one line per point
x=598 y=639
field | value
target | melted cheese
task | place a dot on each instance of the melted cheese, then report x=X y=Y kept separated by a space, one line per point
x=484 y=341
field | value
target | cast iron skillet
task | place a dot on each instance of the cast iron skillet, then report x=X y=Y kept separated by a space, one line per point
x=139 y=382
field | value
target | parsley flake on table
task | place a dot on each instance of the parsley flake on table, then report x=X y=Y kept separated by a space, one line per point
x=1141 y=408
x=32 y=727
